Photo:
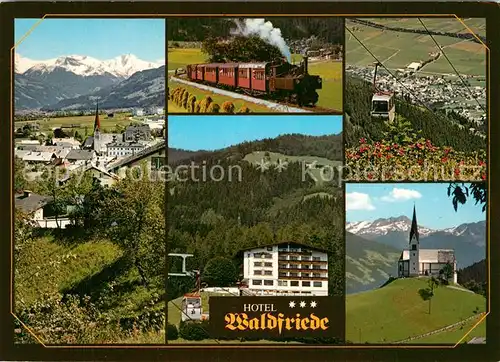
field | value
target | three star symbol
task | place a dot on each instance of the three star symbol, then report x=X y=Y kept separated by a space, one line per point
x=303 y=304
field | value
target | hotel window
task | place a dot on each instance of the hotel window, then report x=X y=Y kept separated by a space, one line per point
x=306 y=258
x=257 y=272
x=316 y=267
x=268 y=272
x=257 y=282
x=268 y=264
x=306 y=284
x=316 y=275
x=413 y=247
x=306 y=266
x=282 y=283
x=316 y=258
x=292 y=257
x=257 y=263
x=268 y=282
x=294 y=283
x=294 y=274
x=269 y=248
x=317 y=284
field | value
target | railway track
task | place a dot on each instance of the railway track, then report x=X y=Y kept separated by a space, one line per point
x=276 y=106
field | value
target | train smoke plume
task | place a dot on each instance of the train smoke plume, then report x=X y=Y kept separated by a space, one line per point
x=264 y=30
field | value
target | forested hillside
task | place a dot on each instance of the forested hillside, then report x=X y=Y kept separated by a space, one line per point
x=475 y=277
x=289 y=145
x=219 y=218
x=440 y=129
x=198 y=29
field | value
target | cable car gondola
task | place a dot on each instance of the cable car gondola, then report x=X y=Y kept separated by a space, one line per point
x=383 y=105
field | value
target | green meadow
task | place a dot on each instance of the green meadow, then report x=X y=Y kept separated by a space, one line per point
x=397 y=49
x=396 y=312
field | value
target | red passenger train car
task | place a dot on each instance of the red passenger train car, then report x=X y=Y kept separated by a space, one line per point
x=276 y=80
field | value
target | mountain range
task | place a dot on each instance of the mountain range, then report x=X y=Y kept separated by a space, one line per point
x=373 y=248
x=60 y=83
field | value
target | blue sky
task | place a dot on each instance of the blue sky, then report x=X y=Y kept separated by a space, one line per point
x=367 y=202
x=215 y=132
x=97 y=38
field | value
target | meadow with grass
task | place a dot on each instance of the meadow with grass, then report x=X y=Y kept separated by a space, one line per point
x=82 y=125
x=397 y=312
x=393 y=50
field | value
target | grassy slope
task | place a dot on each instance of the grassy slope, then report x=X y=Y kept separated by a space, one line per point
x=64 y=266
x=394 y=50
x=368 y=263
x=396 y=311
x=455 y=335
x=331 y=72
x=57 y=267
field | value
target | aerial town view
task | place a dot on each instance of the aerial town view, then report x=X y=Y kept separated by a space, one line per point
x=416 y=89
x=285 y=65
x=89 y=144
x=416 y=274
x=243 y=215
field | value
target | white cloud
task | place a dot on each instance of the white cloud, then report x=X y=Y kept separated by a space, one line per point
x=358 y=201
x=397 y=195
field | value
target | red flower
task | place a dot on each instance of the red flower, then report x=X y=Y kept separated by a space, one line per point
x=362 y=140
x=388 y=156
x=481 y=163
x=483 y=176
x=370 y=176
x=420 y=162
x=446 y=151
x=444 y=159
x=420 y=146
x=401 y=152
x=457 y=172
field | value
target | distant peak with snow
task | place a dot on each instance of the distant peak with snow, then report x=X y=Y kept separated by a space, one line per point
x=381 y=227
x=122 y=66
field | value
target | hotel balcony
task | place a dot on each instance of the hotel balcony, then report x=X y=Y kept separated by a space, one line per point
x=313 y=262
x=285 y=268
x=314 y=279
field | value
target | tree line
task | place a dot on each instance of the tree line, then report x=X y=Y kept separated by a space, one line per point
x=198 y=29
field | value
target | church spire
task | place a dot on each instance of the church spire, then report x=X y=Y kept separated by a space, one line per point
x=414 y=226
x=97 y=122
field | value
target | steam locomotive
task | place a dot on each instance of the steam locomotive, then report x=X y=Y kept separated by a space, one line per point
x=278 y=79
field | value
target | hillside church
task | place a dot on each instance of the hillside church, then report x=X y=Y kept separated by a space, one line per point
x=415 y=262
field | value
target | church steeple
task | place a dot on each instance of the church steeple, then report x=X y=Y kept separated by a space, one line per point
x=414 y=227
x=97 y=122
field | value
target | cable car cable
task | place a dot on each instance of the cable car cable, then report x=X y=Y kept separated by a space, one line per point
x=451 y=64
x=397 y=80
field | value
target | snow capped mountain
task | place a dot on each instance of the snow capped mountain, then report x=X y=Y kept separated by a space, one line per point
x=122 y=66
x=384 y=226
x=22 y=64
x=44 y=83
